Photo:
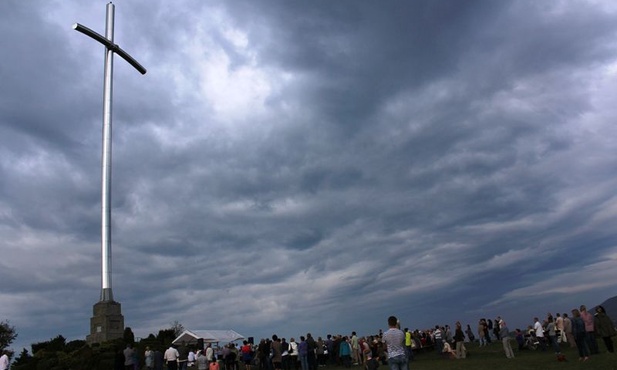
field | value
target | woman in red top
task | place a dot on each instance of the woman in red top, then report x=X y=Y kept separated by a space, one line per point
x=247 y=355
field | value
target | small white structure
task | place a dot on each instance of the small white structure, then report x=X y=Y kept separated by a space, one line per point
x=208 y=336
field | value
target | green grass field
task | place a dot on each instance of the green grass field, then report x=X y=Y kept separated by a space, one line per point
x=493 y=357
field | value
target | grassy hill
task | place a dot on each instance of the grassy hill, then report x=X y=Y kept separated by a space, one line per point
x=493 y=357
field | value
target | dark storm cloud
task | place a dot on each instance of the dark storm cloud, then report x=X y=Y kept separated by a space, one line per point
x=305 y=159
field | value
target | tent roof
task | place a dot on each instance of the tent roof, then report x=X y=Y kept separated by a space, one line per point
x=209 y=336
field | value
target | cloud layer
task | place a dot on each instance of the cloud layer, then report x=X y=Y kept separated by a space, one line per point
x=286 y=167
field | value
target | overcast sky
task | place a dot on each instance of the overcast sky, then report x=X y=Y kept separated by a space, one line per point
x=309 y=166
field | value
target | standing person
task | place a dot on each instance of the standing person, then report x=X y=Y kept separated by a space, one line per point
x=209 y=354
x=4 y=360
x=470 y=335
x=504 y=334
x=183 y=358
x=129 y=357
x=578 y=330
x=320 y=353
x=149 y=358
x=263 y=354
x=408 y=340
x=447 y=334
x=202 y=361
x=394 y=341
x=158 y=360
x=552 y=335
x=481 y=332
x=354 y=347
x=604 y=328
x=567 y=328
x=438 y=340
x=231 y=358
x=192 y=357
x=537 y=327
x=496 y=328
x=293 y=354
x=345 y=352
x=171 y=358
x=246 y=353
x=590 y=335
x=561 y=335
x=285 y=354
x=330 y=348
x=310 y=355
x=336 y=347
x=277 y=352
x=520 y=339
x=366 y=350
x=459 y=339
x=303 y=353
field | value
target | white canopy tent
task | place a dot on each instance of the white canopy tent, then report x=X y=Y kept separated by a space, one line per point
x=208 y=336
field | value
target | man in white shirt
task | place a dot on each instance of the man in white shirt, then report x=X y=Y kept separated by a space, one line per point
x=354 y=348
x=171 y=358
x=539 y=333
x=192 y=358
x=209 y=353
x=4 y=361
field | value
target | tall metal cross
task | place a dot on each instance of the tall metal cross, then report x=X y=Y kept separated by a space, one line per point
x=110 y=49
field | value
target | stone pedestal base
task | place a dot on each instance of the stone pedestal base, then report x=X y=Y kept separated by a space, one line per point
x=107 y=322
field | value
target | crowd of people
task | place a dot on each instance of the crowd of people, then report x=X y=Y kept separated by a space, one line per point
x=395 y=347
x=276 y=353
x=582 y=330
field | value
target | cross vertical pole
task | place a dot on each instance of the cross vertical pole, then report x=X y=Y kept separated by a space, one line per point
x=106 y=291
x=110 y=49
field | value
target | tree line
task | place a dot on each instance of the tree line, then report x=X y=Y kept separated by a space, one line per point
x=58 y=354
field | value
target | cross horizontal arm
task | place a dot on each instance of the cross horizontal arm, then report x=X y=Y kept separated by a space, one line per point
x=108 y=44
x=130 y=59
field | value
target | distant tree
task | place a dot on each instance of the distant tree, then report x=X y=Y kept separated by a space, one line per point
x=7 y=334
x=177 y=328
x=57 y=354
x=75 y=345
x=166 y=336
x=46 y=355
x=53 y=345
x=128 y=336
x=23 y=361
